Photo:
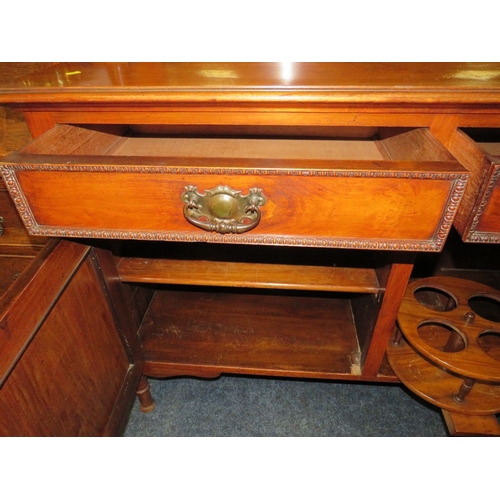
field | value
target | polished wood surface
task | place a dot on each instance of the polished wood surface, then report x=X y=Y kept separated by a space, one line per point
x=253 y=82
x=260 y=94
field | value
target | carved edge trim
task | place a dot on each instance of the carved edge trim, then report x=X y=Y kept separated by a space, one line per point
x=453 y=202
x=483 y=237
x=20 y=201
x=340 y=243
x=433 y=245
x=474 y=236
x=316 y=172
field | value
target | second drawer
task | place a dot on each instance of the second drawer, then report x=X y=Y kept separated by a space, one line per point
x=478 y=219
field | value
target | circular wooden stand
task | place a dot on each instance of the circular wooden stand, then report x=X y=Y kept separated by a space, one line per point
x=447 y=348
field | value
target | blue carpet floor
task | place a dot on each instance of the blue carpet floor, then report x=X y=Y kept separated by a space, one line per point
x=252 y=406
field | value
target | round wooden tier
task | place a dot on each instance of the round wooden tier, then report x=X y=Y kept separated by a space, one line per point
x=445 y=357
x=471 y=359
x=439 y=387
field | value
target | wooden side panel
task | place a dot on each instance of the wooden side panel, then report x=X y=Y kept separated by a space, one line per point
x=69 y=379
x=416 y=145
x=444 y=127
x=464 y=149
x=39 y=123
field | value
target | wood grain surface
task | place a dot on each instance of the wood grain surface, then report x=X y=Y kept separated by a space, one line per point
x=259 y=82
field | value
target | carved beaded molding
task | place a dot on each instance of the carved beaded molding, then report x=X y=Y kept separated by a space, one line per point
x=435 y=244
x=480 y=236
x=138 y=169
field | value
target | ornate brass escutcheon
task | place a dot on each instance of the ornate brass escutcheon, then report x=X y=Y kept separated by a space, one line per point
x=223 y=209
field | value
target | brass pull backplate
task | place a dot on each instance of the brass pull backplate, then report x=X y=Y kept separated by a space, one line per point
x=223 y=209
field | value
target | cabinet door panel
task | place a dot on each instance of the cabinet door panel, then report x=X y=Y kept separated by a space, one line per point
x=74 y=373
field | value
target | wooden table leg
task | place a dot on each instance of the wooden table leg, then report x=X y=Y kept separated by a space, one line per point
x=143 y=393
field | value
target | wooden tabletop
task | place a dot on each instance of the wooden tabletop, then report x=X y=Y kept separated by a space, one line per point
x=425 y=83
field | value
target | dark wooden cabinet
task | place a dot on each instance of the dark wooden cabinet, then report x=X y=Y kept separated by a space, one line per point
x=69 y=363
x=263 y=228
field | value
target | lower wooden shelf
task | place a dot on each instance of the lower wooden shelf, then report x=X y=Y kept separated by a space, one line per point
x=255 y=275
x=206 y=331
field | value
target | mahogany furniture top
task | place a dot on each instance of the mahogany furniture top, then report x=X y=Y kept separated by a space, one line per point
x=420 y=84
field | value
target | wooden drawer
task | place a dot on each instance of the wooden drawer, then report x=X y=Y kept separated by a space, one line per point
x=13 y=232
x=398 y=190
x=478 y=218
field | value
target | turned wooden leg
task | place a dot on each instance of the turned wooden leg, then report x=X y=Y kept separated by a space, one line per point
x=465 y=388
x=143 y=393
x=397 y=337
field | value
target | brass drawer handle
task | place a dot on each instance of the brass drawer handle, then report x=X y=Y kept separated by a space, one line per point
x=223 y=209
x=1 y=226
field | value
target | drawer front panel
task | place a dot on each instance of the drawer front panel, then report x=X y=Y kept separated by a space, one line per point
x=478 y=218
x=12 y=230
x=351 y=209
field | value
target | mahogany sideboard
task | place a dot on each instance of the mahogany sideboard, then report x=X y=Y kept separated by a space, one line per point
x=208 y=218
